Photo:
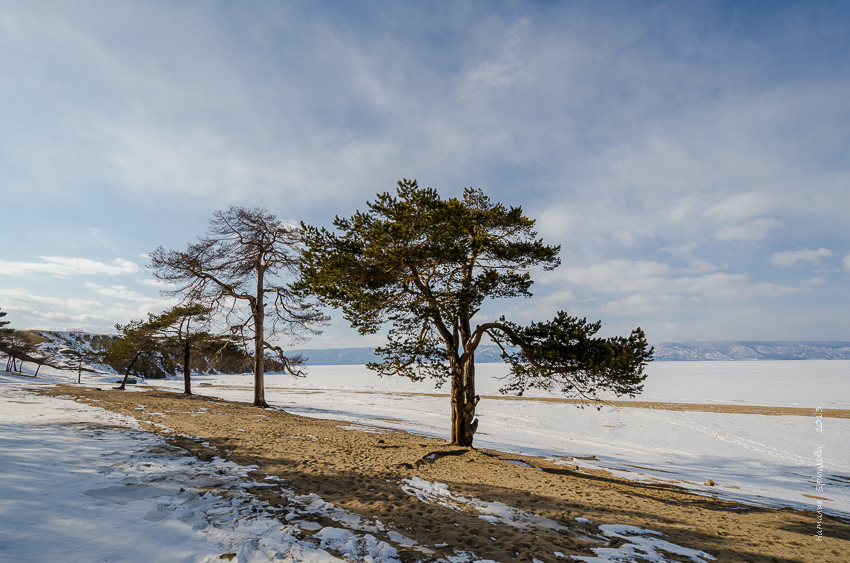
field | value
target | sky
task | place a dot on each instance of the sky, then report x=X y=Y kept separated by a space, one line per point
x=690 y=158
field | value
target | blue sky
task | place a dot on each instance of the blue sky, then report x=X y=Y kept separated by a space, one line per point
x=691 y=158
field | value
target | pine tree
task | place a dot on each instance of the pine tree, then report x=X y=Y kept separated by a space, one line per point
x=424 y=266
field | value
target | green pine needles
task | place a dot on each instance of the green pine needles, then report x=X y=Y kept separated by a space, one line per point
x=423 y=266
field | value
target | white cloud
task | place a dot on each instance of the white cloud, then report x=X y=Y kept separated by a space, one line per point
x=638 y=305
x=653 y=287
x=700 y=266
x=756 y=229
x=200 y=161
x=614 y=276
x=58 y=313
x=695 y=265
x=682 y=250
x=739 y=206
x=538 y=308
x=847 y=263
x=23 y=301
x=61 y=266
x=504 y=70
x=792 y=257
x=555 y=222
x=633 y=235
x=159 y=284
x=732 y=287
x=118 y=292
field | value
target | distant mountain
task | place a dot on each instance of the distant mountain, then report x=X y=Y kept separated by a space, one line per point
x=746 y=350
x=354 y=356
x=725 y=350
x=337 y=356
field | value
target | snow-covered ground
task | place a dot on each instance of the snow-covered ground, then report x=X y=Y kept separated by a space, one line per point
x=77 y=478
x=80 y=484
x=774 y=460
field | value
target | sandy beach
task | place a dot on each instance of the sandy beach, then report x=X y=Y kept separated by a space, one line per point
x=368 y=471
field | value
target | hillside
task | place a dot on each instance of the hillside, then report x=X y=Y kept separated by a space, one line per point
x=65 y=348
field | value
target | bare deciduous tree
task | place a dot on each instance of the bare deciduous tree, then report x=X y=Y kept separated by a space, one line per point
x=236 y=271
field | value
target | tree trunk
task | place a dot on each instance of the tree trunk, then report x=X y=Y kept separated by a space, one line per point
x=259 y=349
x=259 y=357
x=187 y=375
x=464 y=400
x=123 y=386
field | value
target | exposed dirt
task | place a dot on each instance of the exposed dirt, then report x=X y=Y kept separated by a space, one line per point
x=359 y=468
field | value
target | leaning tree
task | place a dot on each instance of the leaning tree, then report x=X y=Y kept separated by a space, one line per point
x=136 y=340
x=425 y=266
x=4 y=323
x=21 y=346
x=185 y=329
x=236 y=270
x=173 y=334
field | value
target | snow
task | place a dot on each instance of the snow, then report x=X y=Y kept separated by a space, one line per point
x=80 y=483
x=493 y=512
x=754 y=458
x=645 y=545
x=788 y=383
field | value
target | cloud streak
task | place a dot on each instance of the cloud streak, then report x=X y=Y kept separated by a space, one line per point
x=756 y=229
x=793 y=257
x=652 y=288
x=118 y=292
x=65 y=266
x=32 y=310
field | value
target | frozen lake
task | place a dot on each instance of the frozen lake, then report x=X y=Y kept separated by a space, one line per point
x=752 y=457
x=790 y=460
x=804 y=383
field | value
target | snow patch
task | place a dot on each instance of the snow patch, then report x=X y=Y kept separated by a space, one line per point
x=494 y=512
x=84 y=484
x=641 y=545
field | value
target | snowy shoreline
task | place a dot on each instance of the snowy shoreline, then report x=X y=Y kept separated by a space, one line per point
x=132 y=480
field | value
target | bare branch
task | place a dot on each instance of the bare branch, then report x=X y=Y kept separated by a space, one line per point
x=233 y=269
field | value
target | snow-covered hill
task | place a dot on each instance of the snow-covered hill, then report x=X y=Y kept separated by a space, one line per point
x=67 y=348
x=741 y=350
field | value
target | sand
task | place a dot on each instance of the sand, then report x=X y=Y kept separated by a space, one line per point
x=670 y=406
x=360 y=469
